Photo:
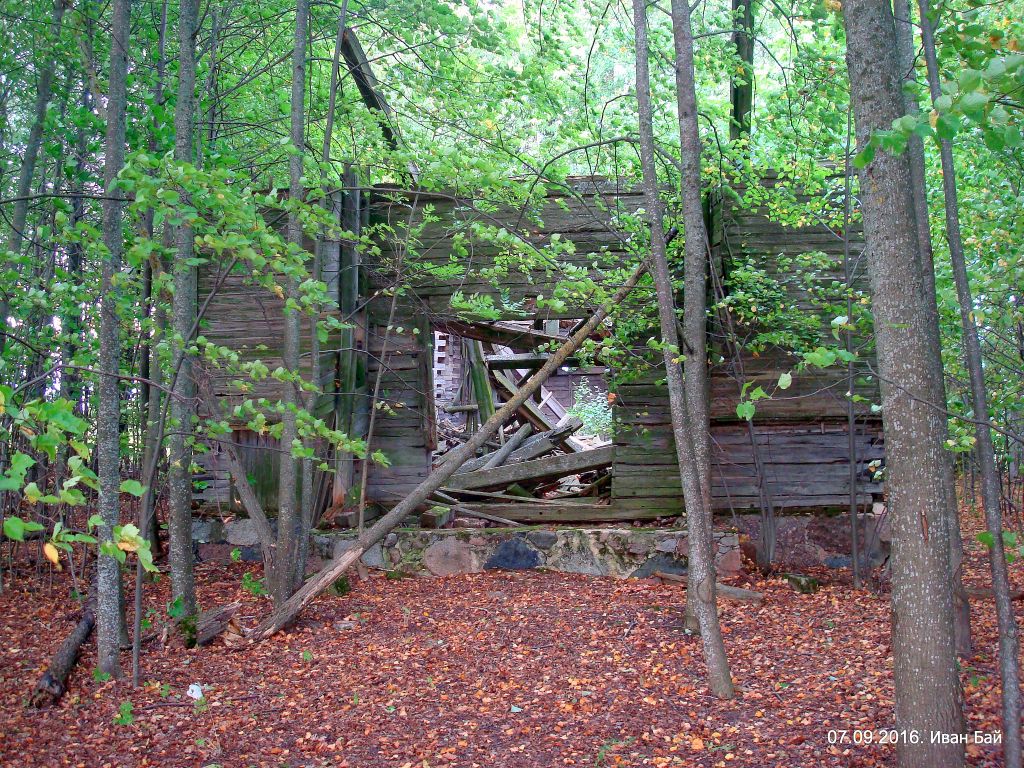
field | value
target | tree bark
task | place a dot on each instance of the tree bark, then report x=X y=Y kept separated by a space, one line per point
x=179 y=477
x=695 y=308
x=289 y=519
x=915 y=154
x=110 y=603
x=991 y=494
x=701 y=561
x=283 y=615
x=928 y=696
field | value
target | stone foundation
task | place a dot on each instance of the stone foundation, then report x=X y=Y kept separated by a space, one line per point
x=803 y=541
x=615 y=552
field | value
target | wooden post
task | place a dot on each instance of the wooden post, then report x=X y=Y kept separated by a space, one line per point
x=742 y=93
x=351 y=365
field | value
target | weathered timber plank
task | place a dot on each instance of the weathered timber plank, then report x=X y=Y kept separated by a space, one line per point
x=537 y=469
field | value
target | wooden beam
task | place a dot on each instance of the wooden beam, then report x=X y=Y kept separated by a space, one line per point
x=539 y=469
x=565 y=512
x=506 y=334
x=527 y=361
x=499 y=456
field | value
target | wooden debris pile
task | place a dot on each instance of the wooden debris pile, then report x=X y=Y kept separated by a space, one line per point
x=538 y=467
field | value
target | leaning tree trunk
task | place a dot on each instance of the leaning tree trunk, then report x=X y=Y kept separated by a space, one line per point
x=183 y=316
x=289 y=520
x=928 y=697
x=915 y=154
x=991 y=493
x=283 y=615
x=701 y=560
x=110 y=605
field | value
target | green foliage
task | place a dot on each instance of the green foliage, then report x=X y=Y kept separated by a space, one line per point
x=1013 y=549
x=591 y=406
x=254 y=585
x=124 y=714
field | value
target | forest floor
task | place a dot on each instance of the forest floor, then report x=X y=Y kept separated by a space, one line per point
x=495 y=669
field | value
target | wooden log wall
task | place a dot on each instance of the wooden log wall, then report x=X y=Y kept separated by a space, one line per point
x=583 y=217
x=801 y=433
x=249 y=319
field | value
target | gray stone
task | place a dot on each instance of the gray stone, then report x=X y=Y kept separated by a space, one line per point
x=667 y=546
x=341 y=546
x=241 y=533
x=207 y=530
x=839 y=561
x=515 y=554
x=374 y=558
x=542 y=539
x=639 y=544
x=450 y=556
x=390 y=540
x=660 y=562
x=577 y=561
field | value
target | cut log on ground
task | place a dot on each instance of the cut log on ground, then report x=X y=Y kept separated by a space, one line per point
x=333 y=569
x=53 y=683
x=549 y=467
x=210 y=624
x=723 y=590
x=986 y=593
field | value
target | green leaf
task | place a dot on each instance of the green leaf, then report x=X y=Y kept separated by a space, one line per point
x=134 y=487
x=785 y=380
x=746 y=409
x=14 y=528
x=864 y=157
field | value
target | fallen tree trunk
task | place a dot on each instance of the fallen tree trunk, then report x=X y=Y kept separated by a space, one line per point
x=333 y=569
x=987 y=593
x=214 y=621
x=53 y=683
x=722 y=590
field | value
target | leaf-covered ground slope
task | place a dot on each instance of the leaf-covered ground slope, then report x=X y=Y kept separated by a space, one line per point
x=496 y=669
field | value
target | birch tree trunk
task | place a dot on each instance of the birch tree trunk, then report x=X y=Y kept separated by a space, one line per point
x=928 y=697
x=183 y=315
x=991 y=495
x=289 y=519
x=109 y=602
x=915 y=154
x=701 y=568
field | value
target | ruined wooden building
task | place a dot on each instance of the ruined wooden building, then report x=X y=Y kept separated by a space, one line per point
x=422 y=365
x=458 y=302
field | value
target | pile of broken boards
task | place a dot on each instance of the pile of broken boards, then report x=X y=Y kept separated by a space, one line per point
x=526 y=478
